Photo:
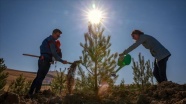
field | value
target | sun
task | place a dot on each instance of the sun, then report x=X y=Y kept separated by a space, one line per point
x=95 y=16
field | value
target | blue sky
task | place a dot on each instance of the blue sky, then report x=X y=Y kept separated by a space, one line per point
x=25 y=23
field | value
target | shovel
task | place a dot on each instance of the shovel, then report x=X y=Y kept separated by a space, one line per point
x=50 y=62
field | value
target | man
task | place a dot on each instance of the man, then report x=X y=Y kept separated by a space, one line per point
x=157 y=50
x=48 y=49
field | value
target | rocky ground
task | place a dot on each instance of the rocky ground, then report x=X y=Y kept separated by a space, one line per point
x=46 y=97
x=164 y=93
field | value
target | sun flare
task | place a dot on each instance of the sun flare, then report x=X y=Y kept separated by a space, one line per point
x=95 y=16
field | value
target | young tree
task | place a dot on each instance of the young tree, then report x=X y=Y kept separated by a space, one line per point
x=58 y=83
x=122 y=84
x=84 y=83
x=3 y=75
x=19 y=85
x=142 y=72
x=27 y=85
x=149 y=72
x=96 y=56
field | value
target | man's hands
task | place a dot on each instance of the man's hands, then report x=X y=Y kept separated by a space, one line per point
x=65 y=62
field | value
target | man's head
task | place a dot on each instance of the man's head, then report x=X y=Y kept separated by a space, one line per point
x=56 y=33
x=136 y=34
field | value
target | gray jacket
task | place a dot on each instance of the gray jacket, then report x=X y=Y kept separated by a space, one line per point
x=156 y=48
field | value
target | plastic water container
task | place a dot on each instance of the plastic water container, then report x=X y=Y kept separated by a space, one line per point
x=124 y=60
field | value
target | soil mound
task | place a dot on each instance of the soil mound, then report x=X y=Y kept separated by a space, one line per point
x=164 y=93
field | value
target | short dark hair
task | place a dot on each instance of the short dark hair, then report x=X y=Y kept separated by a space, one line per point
x=137 y=32
x=56 y=31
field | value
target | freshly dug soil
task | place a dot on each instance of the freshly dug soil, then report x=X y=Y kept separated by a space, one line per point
x=164 y=93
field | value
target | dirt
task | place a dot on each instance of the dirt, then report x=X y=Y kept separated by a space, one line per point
x=46 y=97
x=9 y=98
x=164 y=93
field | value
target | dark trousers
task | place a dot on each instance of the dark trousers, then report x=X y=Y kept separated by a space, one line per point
x=160 y=70
x=43 y=68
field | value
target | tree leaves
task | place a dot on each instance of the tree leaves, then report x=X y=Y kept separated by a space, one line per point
x=96 y=57
x=3 y=75
x=58 y=82
x=19 y=85
x=142 y=72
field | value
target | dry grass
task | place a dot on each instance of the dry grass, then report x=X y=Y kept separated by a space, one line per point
x=13 y=74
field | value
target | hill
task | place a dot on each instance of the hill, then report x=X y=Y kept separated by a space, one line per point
x=13 y=74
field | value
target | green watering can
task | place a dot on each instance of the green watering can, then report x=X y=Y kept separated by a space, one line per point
x=122 y=61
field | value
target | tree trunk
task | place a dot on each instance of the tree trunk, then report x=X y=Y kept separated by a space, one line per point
x=96 y=83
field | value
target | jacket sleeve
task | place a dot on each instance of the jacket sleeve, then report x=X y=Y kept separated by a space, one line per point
x=135 y=45
x=54 y=53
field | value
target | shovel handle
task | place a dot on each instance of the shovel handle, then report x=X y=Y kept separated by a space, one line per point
x=69 y=63
x=31 y=55
x=78 y=61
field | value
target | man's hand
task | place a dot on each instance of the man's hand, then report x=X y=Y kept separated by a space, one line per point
x=65 y=62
